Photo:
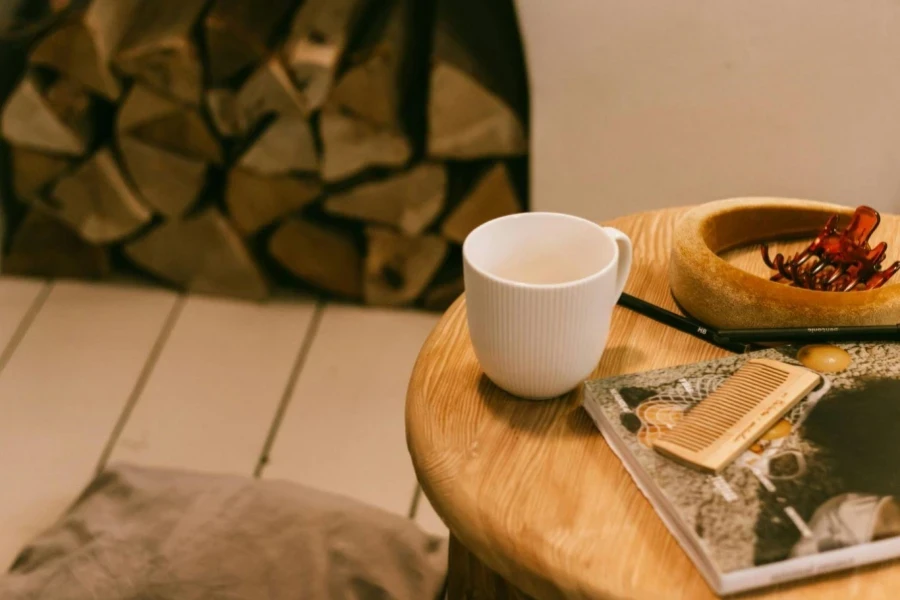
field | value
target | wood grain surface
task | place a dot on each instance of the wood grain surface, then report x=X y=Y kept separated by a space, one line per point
x=531 y=489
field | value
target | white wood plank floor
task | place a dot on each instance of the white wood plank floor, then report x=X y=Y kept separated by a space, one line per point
x=353 y=385
x=92 y=374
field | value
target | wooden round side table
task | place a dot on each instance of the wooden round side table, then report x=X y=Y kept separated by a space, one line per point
x=537 y=504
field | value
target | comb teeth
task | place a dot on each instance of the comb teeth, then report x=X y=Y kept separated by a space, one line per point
x=715 y=431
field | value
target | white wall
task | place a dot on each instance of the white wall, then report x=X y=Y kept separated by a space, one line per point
x=640 y=104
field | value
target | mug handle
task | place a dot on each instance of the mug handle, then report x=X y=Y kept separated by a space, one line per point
x=625 y=255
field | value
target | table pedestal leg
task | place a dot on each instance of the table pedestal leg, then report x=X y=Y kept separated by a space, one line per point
x=469 y=579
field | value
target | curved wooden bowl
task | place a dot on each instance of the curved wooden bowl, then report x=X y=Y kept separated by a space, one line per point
x=724 y=296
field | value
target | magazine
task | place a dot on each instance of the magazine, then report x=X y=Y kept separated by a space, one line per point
x=819 y=492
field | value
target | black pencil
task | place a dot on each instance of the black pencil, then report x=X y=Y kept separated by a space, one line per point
x=739 y=340
x=882 y=333
x=680 y=323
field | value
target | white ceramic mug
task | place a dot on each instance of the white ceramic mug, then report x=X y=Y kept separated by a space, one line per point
x=540 y=290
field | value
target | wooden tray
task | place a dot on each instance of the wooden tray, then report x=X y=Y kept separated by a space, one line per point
x=725 y=296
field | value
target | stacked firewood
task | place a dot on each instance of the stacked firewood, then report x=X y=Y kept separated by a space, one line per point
x=223 y=146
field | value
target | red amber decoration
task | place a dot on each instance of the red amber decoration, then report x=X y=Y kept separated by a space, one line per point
x=837 y=261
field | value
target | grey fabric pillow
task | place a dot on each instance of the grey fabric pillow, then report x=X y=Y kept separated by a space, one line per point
x=150 y=534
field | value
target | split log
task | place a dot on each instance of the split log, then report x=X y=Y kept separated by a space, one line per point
x=159 y=48
x=399 y=267
x=34 y=173
x=286 y=145
x=170 y=183
x=447 y=285
x=161 y=122
x=389 y=59
x=221 y=104
x=351 y=145
x=83 y=49
x=200 y=254
x=409 y=201
x=97 y=201
x=478 y=91
x=42 y=246
x=143 y=105
x=167 y=148
x=72 y=103
x=319 y=35
x=268 y=91
x=441 y=296
x=25 y=20
x=238 y=34
x=365 y=123
x=327 y=258
x=48 y=114
x=492 y=196
x=255 y=201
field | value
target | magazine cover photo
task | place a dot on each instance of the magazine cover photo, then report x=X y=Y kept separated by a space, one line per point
x=825 y=477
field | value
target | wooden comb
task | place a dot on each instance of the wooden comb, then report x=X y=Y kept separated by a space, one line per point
x=719 y=428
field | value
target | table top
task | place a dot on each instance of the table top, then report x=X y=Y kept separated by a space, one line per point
x=532 y=489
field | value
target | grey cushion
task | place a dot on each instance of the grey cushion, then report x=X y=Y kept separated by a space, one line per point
x=148 y=534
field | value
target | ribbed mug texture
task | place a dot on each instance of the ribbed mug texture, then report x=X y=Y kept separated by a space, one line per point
x=540 y=341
